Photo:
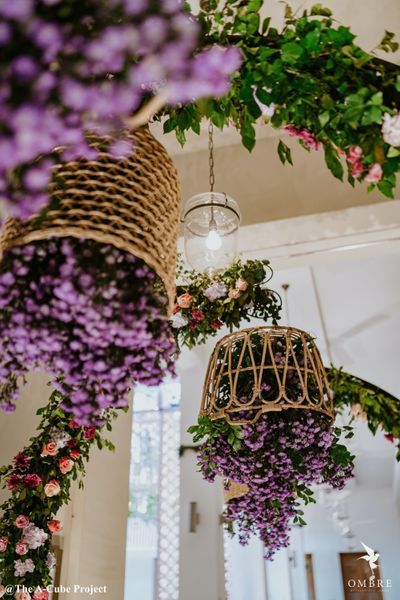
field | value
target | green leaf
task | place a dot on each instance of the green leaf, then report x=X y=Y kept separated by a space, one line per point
x=393 y=152
x=320 y=10
x=291 y=52
x=386 y=188
x=284 y=153
x=333 y=163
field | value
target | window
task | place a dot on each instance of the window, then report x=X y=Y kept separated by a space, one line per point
x=152 y=554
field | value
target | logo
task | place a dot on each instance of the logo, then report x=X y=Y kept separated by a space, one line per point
x=372 y=582
x=371 y=558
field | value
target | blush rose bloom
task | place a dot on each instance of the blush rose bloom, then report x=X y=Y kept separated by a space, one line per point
x=21 y=548
x=41 y=595
x=3 y=544
x=234 y=294
x=49 y=449
x=2 y=590
x=21 y=522
x=66 y=465
x=21 y=595
x=52 y=488
x=55 y=526
x=374 y=174
x=75 y=454
x=184 y=300
x=242 y=284
x=89 y=432
x=354 y=154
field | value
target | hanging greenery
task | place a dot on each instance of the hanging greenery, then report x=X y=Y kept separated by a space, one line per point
x=204 y=305
x=379 y=409
x=68 y=306
x=309 y=80
x=39 y=480
x=266 y=417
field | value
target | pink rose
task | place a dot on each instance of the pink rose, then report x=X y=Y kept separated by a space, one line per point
x=52 y=488
x=242 y=285
x=49 y=449
x=32 y=480
x=184 y=300
x=389 y=438
x=176 y=308
x=197 y=315
x=2 y=590
x=374 y=174
x=75 y=454
x=354 y=154
x=357 y=169
x=3 y=543
x=216 y=324
x=55 y=526
x=89 y=432
x=66 y=465
x=21 y=548
x=21 y=522
x=73 y=424
x=13 y=482
x=41 y=595
x=21 y=595
x=234 y=293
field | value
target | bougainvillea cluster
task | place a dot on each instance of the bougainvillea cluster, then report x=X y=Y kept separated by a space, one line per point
x=203 y=305
x=279 y=457
x=91 y=315
x=39 y=480
x=69 y=67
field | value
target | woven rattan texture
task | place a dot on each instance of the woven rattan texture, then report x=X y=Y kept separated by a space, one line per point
x=245 y=356
x=234 y=490
x=132 y=204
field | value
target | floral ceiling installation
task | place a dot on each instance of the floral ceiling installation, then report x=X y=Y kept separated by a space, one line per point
x=204 y=305
x=70 y=67
x=69 y=305
x=39 y=480
x=309 y=80
x=277 y=452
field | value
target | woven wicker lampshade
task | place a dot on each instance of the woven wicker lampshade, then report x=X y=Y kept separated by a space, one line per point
x=131 y=203
x=262 y=369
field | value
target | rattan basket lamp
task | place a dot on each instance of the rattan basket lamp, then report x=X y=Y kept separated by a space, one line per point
x=131 y=203
x=264 y=361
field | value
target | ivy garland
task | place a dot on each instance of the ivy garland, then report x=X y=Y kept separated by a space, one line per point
x=311 y=80
x=203 y=305
x=39 y=480
x=378 y=408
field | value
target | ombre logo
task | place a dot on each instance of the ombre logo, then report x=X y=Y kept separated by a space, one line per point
x=372 y=583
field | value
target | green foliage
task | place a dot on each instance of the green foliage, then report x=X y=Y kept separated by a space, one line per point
x=257 y=300
x=380 y=409
x=33 y=502
x=313 y=74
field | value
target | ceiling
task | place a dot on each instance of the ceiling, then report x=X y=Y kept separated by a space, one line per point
x=264 y=188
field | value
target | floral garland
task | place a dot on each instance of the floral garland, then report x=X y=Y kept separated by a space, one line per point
x=71 y=67
x=70 y=305
x=278 y=458
x=203 y=305
x=40 y=481
x=379 y=409
x=310 y=80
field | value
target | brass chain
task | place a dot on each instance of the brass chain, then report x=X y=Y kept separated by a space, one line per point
x=211 y=155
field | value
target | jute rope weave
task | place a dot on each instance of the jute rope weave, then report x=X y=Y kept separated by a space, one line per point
x=248 y=360
x=234 y=490
x=131 y=203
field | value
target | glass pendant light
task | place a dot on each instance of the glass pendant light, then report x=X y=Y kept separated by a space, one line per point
x=211 y=222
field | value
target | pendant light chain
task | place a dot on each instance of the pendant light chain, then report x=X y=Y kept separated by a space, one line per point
x=211 y=155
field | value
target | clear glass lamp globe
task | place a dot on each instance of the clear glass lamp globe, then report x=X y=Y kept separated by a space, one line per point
x=211 y=222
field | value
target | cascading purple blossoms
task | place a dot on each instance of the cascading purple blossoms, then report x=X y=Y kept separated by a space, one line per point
x=91 y=315
x=279 y=457
x=69 y=68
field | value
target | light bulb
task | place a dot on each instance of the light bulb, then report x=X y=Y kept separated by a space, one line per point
x=213 y=240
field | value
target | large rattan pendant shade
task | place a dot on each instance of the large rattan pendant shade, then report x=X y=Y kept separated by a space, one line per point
x=262 y=369
x=131 y=203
